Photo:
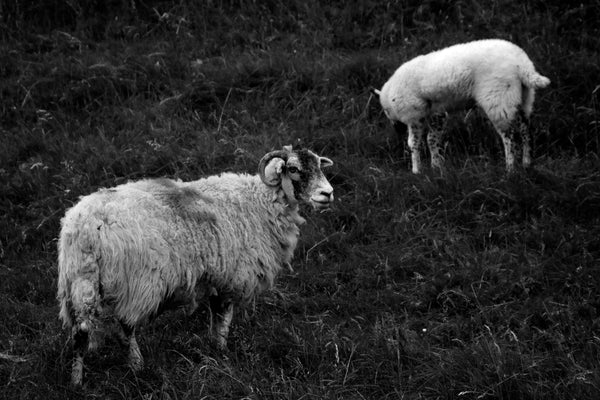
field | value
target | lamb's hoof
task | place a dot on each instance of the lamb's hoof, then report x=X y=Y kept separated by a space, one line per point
x=136 y=364
x=93 y=343
x=219 y=341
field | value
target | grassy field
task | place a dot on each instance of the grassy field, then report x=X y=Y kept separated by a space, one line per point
x=476 y=285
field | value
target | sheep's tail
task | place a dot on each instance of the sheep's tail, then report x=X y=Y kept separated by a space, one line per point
x=78 y=286
x=531 y=78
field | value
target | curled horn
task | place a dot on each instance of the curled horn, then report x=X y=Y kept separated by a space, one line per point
x=269 y=176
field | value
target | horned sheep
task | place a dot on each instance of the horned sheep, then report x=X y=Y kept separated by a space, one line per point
x=495 y=74
x=134 y=250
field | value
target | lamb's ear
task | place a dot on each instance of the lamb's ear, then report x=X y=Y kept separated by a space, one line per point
x=325 y=162
x=271 y=165
x=374 y=91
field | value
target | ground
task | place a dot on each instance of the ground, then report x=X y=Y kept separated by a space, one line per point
x=470 y=284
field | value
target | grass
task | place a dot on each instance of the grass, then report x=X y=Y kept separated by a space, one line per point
x=472 y=285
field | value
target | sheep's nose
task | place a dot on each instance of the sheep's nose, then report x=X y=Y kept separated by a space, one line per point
x=327 y=193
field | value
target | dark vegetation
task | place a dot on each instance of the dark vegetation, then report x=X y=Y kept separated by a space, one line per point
x=475 y=285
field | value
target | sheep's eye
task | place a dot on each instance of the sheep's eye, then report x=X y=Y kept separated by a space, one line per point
x=293 y=170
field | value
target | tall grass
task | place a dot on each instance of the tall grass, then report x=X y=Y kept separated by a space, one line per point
x=470 y=285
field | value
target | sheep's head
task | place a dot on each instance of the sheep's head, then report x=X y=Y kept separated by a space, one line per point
x=299 y=174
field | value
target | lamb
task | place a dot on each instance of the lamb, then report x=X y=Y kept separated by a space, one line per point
x=494 y=74
x=132 y=251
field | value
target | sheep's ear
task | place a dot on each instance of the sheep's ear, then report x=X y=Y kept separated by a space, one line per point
x=288 y=148
x=271 y=166
x=325 y=162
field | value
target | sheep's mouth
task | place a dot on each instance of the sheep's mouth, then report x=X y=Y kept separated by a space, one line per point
x=320 y=204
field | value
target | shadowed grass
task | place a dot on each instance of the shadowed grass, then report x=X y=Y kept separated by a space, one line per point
x=467 y=285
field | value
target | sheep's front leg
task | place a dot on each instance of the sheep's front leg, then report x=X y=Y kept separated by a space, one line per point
x=134 y=357
x=416 y=144
x=80 y=344
x=435 y=141
x=222 y=314
x=222 y=327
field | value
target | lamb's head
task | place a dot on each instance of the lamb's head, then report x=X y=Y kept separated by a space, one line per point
x=299 y=174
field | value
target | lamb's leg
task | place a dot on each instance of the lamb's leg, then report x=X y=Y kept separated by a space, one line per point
x=528 y=96
x=415 y=143
x=517 y=141
x=522 y=126
x=80 y=344
x=435 y=141
x=222 y=313
x=510 y=148
x=134 y=357
x=501 y=103
x=400 y=129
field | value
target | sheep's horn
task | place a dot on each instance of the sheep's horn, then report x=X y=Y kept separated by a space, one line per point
x=283 y=154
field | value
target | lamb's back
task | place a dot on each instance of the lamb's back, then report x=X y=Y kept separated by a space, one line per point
x=480 y=58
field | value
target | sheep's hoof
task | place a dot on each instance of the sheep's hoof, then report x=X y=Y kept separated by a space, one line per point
x=122 y=339
x=191 y=308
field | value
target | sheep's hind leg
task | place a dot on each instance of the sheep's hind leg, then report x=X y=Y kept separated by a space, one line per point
x=435 y=141
x=134 y=356
x=80 y=344
x=222 y=314
x=416 y=144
